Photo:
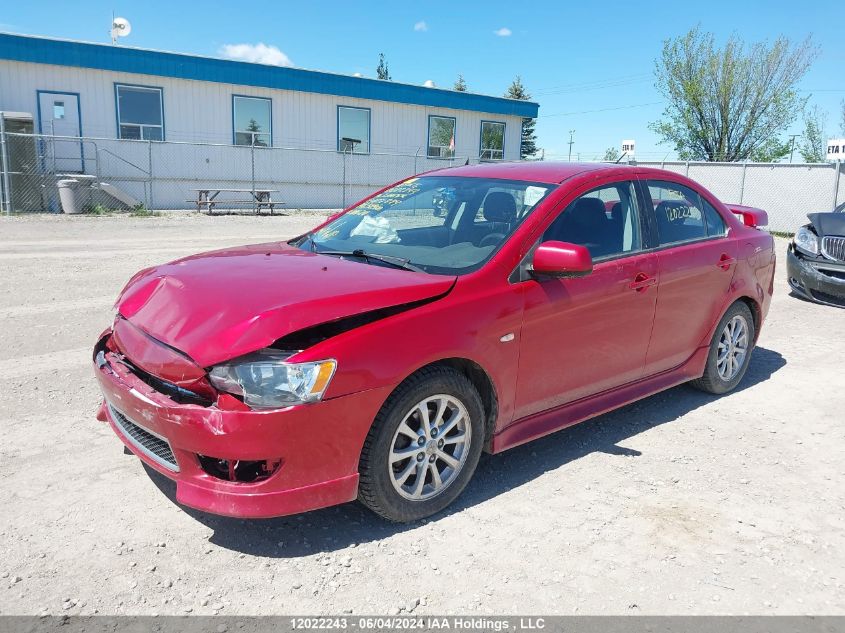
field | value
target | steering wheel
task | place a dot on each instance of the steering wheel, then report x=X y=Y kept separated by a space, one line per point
x=491 y=239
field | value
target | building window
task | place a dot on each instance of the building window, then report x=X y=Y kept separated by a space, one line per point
x=353 y=130
x=140 y=113
x=441 y=136
x=492 y=140
x=253 y=121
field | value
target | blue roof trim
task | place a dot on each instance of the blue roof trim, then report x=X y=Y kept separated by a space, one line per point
x=147 y=62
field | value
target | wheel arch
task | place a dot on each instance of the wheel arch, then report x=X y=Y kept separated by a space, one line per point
x=756 y=312
x=482 y=381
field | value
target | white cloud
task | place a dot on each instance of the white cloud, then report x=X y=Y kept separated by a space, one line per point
x=421 y=26
x=503 y=32
x=429 y=83
x=357 y=75
x=256 y=53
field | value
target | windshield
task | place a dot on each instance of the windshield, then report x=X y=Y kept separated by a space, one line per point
x=439 y=224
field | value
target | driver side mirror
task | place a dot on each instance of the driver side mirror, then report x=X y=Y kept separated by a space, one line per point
x=561 y=259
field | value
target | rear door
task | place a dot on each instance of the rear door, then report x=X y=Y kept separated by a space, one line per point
x=581 y=336
x=59 y=118
x=696 y=262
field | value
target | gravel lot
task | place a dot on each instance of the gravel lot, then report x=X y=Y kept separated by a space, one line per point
x=682 y=503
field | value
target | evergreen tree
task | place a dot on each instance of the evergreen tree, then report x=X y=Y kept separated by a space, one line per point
x=382 y=71
x=460 y=84
x=611 y=155
x=254 y=128
x=528 y=147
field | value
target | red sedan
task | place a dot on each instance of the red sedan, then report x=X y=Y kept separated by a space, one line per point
x=465 y=310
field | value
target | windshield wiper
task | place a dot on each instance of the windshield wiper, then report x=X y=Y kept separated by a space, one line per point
x=398 y=262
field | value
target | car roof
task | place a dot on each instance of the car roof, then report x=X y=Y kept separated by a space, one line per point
x=532 y=171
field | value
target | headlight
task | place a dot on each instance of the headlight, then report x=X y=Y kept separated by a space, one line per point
x=266 y=381
x=806 y=241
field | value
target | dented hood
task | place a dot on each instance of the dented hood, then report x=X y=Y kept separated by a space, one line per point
x=828 y=223
x=223 y=304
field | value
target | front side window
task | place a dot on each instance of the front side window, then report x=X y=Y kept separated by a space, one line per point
x=492 y=140
x=441 y=137
x=439 y=224
x=605 y=220
x=353 y=130
x=678 y=211
x=140 y=113
x=253 y=121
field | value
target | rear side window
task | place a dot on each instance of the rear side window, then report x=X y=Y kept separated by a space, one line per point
x=679 y=213
x=715 y=224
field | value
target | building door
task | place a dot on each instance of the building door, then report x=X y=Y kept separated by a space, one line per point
x=59 y=122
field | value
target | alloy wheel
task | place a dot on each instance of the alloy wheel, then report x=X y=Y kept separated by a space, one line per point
x=430 y=447
x=733 y=348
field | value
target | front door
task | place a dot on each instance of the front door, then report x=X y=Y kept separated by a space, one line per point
x=582 y=336
x=59 y=123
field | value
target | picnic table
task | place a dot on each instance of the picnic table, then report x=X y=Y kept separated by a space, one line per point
x=260 y=199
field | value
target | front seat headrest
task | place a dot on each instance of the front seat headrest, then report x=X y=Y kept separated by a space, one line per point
x=499 y=206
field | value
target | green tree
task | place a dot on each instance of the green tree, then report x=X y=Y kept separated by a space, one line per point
x=528 y=147
x=611 y=155
x=460 y=84
x=255 y=138
x=382 y=71
x=813 y=147
x=770 y=151
x=729 y=103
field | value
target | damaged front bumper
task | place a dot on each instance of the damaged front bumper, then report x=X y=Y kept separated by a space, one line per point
x=229 y=460
x=817 y=279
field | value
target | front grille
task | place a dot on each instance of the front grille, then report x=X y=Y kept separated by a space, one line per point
x=836 y=274
x=826 y=297
x=834 y=247
x=153 y=446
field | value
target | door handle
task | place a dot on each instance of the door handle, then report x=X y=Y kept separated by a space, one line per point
x=642 y=282
x=726 y=261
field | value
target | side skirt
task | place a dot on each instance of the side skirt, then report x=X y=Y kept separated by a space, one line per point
x=546 y=422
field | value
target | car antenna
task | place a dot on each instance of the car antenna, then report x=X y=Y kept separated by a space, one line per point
x=624 y=154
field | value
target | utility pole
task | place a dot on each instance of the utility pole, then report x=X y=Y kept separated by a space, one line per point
x=792 y=149
x=571 y=132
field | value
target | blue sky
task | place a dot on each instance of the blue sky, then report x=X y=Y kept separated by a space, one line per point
x=589 y=65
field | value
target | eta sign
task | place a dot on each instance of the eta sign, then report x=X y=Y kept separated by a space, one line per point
x=628 y=149
x=836 y=149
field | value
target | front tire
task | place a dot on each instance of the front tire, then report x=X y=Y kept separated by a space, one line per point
x=423 y=447
x=730 y=351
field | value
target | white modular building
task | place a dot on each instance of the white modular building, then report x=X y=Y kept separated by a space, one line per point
x=110 y=93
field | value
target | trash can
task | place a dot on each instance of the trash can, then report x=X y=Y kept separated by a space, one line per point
x=72 y=195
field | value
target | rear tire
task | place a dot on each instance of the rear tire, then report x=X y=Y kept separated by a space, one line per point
x=423 y=446
x=730 y=351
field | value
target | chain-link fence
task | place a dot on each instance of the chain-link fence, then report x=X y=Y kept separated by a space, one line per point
x=786 y=191
x=122 y=173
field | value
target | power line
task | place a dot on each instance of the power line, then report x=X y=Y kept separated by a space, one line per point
x=626 y=107
x=598 y=83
